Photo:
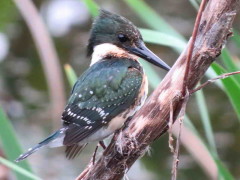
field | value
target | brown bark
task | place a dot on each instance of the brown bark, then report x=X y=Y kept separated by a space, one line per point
x=152 y=120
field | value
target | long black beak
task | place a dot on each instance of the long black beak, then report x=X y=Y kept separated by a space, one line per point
x=142 y=51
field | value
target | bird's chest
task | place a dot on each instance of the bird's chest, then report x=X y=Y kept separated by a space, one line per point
x=118 y=121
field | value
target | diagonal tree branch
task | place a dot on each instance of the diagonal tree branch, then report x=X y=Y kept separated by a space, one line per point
x=152 y=120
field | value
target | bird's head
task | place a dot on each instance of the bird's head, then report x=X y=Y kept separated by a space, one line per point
x=114 y=35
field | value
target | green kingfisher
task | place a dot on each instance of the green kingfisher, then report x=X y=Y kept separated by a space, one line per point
x=110 y=91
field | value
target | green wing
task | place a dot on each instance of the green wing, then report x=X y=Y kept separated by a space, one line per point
x=105 y=90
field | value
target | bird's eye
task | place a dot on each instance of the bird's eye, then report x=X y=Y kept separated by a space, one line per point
x=122 y=38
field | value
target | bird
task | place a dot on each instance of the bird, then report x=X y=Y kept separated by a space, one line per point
x=111 y=90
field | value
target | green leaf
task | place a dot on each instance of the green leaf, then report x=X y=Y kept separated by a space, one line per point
x=236 y=38
x=212 y=74
x=223 y=171
x=164 y=39
x=92 y=7
x=229 y=62
x=203 y=111
x=26 y=174
x=194 y=4
x=8 y=12
x=231 y=86
x=71 y=75
x=151 y=18
x=10 y=144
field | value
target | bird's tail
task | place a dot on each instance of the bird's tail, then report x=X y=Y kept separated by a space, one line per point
x=45 y=142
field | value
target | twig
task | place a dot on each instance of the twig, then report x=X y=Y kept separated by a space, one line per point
x=191 y=45
x=48 y=56
x=102 y=145
x=177 y=149
x=223 y=76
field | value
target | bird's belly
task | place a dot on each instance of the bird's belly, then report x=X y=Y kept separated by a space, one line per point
x=114 y=124
x=97 y=136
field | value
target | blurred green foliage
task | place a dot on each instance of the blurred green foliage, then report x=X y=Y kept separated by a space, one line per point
x=160 y=33
x=22 y=173
x=10 y=145
x=7 y=13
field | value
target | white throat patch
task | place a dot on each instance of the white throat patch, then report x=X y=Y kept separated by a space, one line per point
x=103 y=50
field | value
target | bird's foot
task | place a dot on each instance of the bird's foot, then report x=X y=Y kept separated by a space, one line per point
x=102 y=144
x=94 y=155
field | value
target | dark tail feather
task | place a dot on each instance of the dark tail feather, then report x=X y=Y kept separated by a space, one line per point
x=29 y=152
x=40 y=145
x=74 y=150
